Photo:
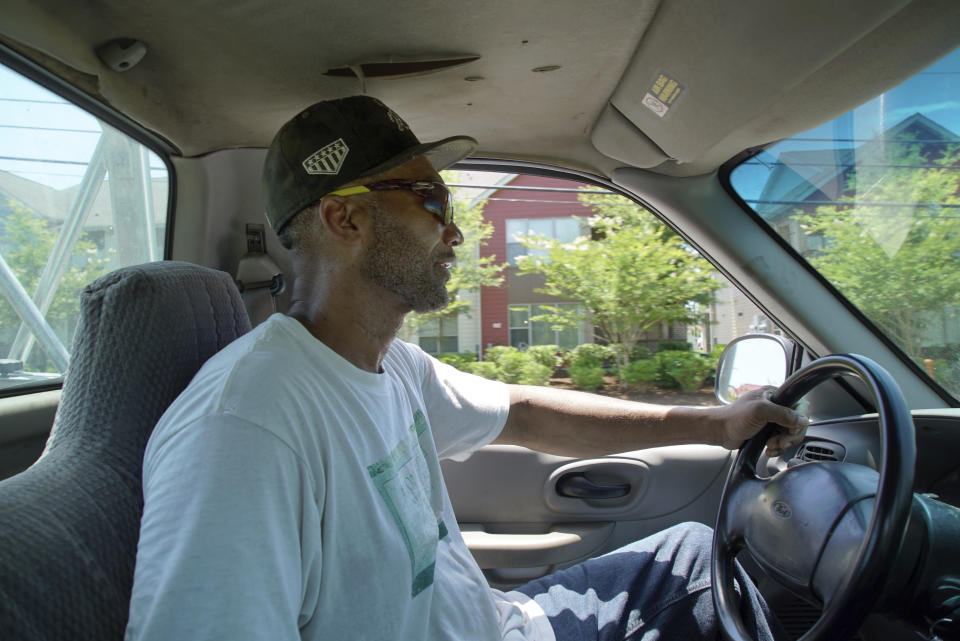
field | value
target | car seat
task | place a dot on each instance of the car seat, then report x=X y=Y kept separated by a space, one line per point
x=69 y=523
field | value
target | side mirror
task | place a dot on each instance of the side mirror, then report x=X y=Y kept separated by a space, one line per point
x=750 y=362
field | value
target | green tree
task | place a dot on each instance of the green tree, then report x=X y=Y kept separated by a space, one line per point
x=631 y=275
x=25 y=243
x=899 y=264
x=471 y=271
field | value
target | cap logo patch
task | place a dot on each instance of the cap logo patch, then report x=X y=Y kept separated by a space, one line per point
x=397 y=120
x=328 y=159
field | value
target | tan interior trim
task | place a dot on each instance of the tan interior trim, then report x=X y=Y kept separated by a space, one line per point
x=568 y=542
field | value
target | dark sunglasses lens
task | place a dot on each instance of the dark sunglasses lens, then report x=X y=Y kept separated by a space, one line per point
x=439 y=202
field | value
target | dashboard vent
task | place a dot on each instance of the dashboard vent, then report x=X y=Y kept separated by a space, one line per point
x=822 y=451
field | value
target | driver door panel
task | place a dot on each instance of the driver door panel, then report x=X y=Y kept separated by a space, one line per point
x=522 y=519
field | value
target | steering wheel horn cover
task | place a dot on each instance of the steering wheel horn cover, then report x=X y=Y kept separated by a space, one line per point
x=826 y=530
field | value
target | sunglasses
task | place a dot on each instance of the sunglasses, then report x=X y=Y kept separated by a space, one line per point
x=436 y=197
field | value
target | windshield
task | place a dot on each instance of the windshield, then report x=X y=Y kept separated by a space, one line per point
x=872 y=201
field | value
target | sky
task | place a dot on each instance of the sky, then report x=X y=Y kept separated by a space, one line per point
x=36 y=124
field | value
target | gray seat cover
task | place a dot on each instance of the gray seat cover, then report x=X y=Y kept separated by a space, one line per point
x=69 y=523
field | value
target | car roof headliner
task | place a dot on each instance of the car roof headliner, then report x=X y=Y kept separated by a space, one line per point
x=225 y=74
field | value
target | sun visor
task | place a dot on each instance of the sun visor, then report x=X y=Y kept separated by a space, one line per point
x=706 y=71
x=616 y=137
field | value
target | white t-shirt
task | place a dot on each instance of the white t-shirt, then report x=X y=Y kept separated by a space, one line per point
x=289 y=494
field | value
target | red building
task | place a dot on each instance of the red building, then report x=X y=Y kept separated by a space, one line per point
x=521 y=204
x=549 y=207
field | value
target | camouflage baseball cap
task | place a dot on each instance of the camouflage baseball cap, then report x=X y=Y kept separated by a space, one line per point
x=337 y=141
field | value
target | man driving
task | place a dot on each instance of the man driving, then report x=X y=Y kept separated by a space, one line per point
x=294 y=489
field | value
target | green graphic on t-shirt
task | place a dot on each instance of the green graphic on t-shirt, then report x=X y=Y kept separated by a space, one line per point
x=403 y=480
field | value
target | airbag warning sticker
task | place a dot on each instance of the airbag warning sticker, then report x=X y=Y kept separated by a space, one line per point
x=662 y=94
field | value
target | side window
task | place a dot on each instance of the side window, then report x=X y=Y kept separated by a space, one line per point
x=77 y=199
x=577 y=265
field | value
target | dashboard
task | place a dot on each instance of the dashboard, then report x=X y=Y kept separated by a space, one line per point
x=857 y=440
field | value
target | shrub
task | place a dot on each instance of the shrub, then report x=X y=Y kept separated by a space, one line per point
x=684 y=369
x=637 y=353
x=673 y=346
x=946 y=372
x=459 y=361
x=495 y=353
x=946 y=363
x=713 y=360
x=641 y=373
x=589 y=355
x=520 y=368
x=485 y=369
x=547 y=355
x=510 y=365
x=587 y=377
x=640 y=353
x=533 y=373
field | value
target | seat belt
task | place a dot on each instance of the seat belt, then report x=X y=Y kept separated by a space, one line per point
x=258 y=277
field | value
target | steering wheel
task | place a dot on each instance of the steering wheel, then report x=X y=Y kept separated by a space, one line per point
x=825 y=529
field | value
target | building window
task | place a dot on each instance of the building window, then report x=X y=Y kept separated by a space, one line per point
x=563 y=229
x=524 y=332
x=439 y=336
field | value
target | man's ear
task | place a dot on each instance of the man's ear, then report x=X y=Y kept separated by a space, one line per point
x=341 y=219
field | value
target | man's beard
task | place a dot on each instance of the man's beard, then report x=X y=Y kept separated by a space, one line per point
x=396 y=263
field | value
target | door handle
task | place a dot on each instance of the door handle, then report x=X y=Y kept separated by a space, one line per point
x=576 y=485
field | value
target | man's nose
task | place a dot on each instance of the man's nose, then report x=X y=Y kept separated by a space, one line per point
x=452 y=235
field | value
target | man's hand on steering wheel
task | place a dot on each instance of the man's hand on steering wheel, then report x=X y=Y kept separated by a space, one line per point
x=745 y=417
x=827 y=531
